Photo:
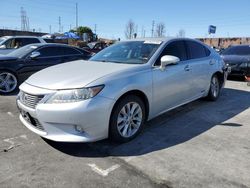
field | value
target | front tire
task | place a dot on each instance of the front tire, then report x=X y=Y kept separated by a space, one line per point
x=8 y=82
x=127 y=119
x=215 y=87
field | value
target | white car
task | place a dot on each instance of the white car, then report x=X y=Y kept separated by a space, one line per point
x=11 y=43
x=119 y=89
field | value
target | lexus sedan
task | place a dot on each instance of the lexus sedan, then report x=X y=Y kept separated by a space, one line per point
x=17 y=66
x=119 y=89
x=238 y=58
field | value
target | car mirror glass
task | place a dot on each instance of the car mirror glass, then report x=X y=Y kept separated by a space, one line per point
x=34 y=55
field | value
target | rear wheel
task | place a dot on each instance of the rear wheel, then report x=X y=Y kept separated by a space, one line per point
x=8 y=82
x=214 y=90
x=127 y=119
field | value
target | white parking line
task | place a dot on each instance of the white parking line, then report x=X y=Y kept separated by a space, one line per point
x=102 y=172
x=10 y=114
x=13 y=143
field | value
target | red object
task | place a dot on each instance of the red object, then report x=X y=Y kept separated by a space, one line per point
x=247 y=78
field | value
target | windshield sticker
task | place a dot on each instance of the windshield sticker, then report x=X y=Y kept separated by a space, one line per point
x=152 y=42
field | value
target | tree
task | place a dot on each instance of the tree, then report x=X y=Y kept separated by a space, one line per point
x=160 y=30
x=181 y=33
x=83 y=29
x=130 y=29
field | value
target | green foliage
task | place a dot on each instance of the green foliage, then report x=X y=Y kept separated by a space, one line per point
x=82 y=29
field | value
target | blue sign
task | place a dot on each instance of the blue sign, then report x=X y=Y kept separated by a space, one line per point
x=212 y=29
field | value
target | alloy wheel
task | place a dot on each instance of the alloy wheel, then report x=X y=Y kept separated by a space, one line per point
x=215 y=86
x=129 y=119
x=8 y=82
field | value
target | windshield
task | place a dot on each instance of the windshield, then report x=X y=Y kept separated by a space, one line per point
x=23 y=51
x=130 y=52
x=237 y=50
x=2 y=39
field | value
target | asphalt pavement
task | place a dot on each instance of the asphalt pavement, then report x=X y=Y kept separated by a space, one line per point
x=202 y=144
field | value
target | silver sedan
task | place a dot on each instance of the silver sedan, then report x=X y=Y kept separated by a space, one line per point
x=119 y=89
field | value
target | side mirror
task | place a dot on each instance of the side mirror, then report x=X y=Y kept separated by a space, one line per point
x=34 y=55
x=167 y=60
x=3 y=46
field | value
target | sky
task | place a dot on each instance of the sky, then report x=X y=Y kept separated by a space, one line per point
x=232 y=17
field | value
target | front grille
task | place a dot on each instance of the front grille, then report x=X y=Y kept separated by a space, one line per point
x=30 y=100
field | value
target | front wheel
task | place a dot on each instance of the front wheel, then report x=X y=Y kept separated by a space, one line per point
x=215 y=88
x=127 y=119
x=8 y=82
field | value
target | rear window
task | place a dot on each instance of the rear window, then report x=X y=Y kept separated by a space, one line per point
x=237 y=50
x=197 y=50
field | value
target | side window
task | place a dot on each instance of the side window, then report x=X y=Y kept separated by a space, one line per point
x=71 y=51
x=196 y=50
x=13 y=43
x=177 y=49
x=51 y=51
x=26 y=41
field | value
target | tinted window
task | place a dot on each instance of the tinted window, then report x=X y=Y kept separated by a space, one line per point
x=177 y=49
x=51 y=51
x=196 y=50
x=26 y=41
x=237 y=50
x=71 y=51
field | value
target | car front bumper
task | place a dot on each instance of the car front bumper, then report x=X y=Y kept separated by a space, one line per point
x=61 y=122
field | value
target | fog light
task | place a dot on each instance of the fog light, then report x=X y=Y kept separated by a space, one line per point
x=79 y=128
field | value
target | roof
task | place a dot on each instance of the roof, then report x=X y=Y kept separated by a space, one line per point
x=153 y=39
x=48 y=44
x=21 y=37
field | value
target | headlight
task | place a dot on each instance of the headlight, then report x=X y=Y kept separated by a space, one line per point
x=75 y=95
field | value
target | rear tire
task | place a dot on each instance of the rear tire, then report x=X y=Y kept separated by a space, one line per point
x=215 y=87
x=127 y=119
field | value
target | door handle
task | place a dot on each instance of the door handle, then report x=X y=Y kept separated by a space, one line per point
x=187 y=68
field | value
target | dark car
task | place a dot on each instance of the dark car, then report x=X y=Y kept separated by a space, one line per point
x=238 y=58
x=17 y=66
x=96 y=47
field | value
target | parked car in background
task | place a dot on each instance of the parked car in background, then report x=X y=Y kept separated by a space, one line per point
x=11 y=43
x=119 y=89
x=96 y=47
x=238 y=58
x=21 y=63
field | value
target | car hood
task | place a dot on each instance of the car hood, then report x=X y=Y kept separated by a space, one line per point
x=7 y=58
x=6 y=51
x=235 y=59
x=76 y=74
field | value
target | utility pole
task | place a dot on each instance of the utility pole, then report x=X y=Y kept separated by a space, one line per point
x=76 y=15
x=153 y=26
x=59 y=22
x=50 y=29
x=95 y=28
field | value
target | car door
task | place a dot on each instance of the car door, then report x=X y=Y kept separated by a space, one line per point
x=49 y=56
x=172 y=86
x=200 y=66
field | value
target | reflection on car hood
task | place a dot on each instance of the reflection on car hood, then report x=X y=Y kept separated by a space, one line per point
x=235 y=59
x=76 y=74
x=6 y=51
x=5 y=58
